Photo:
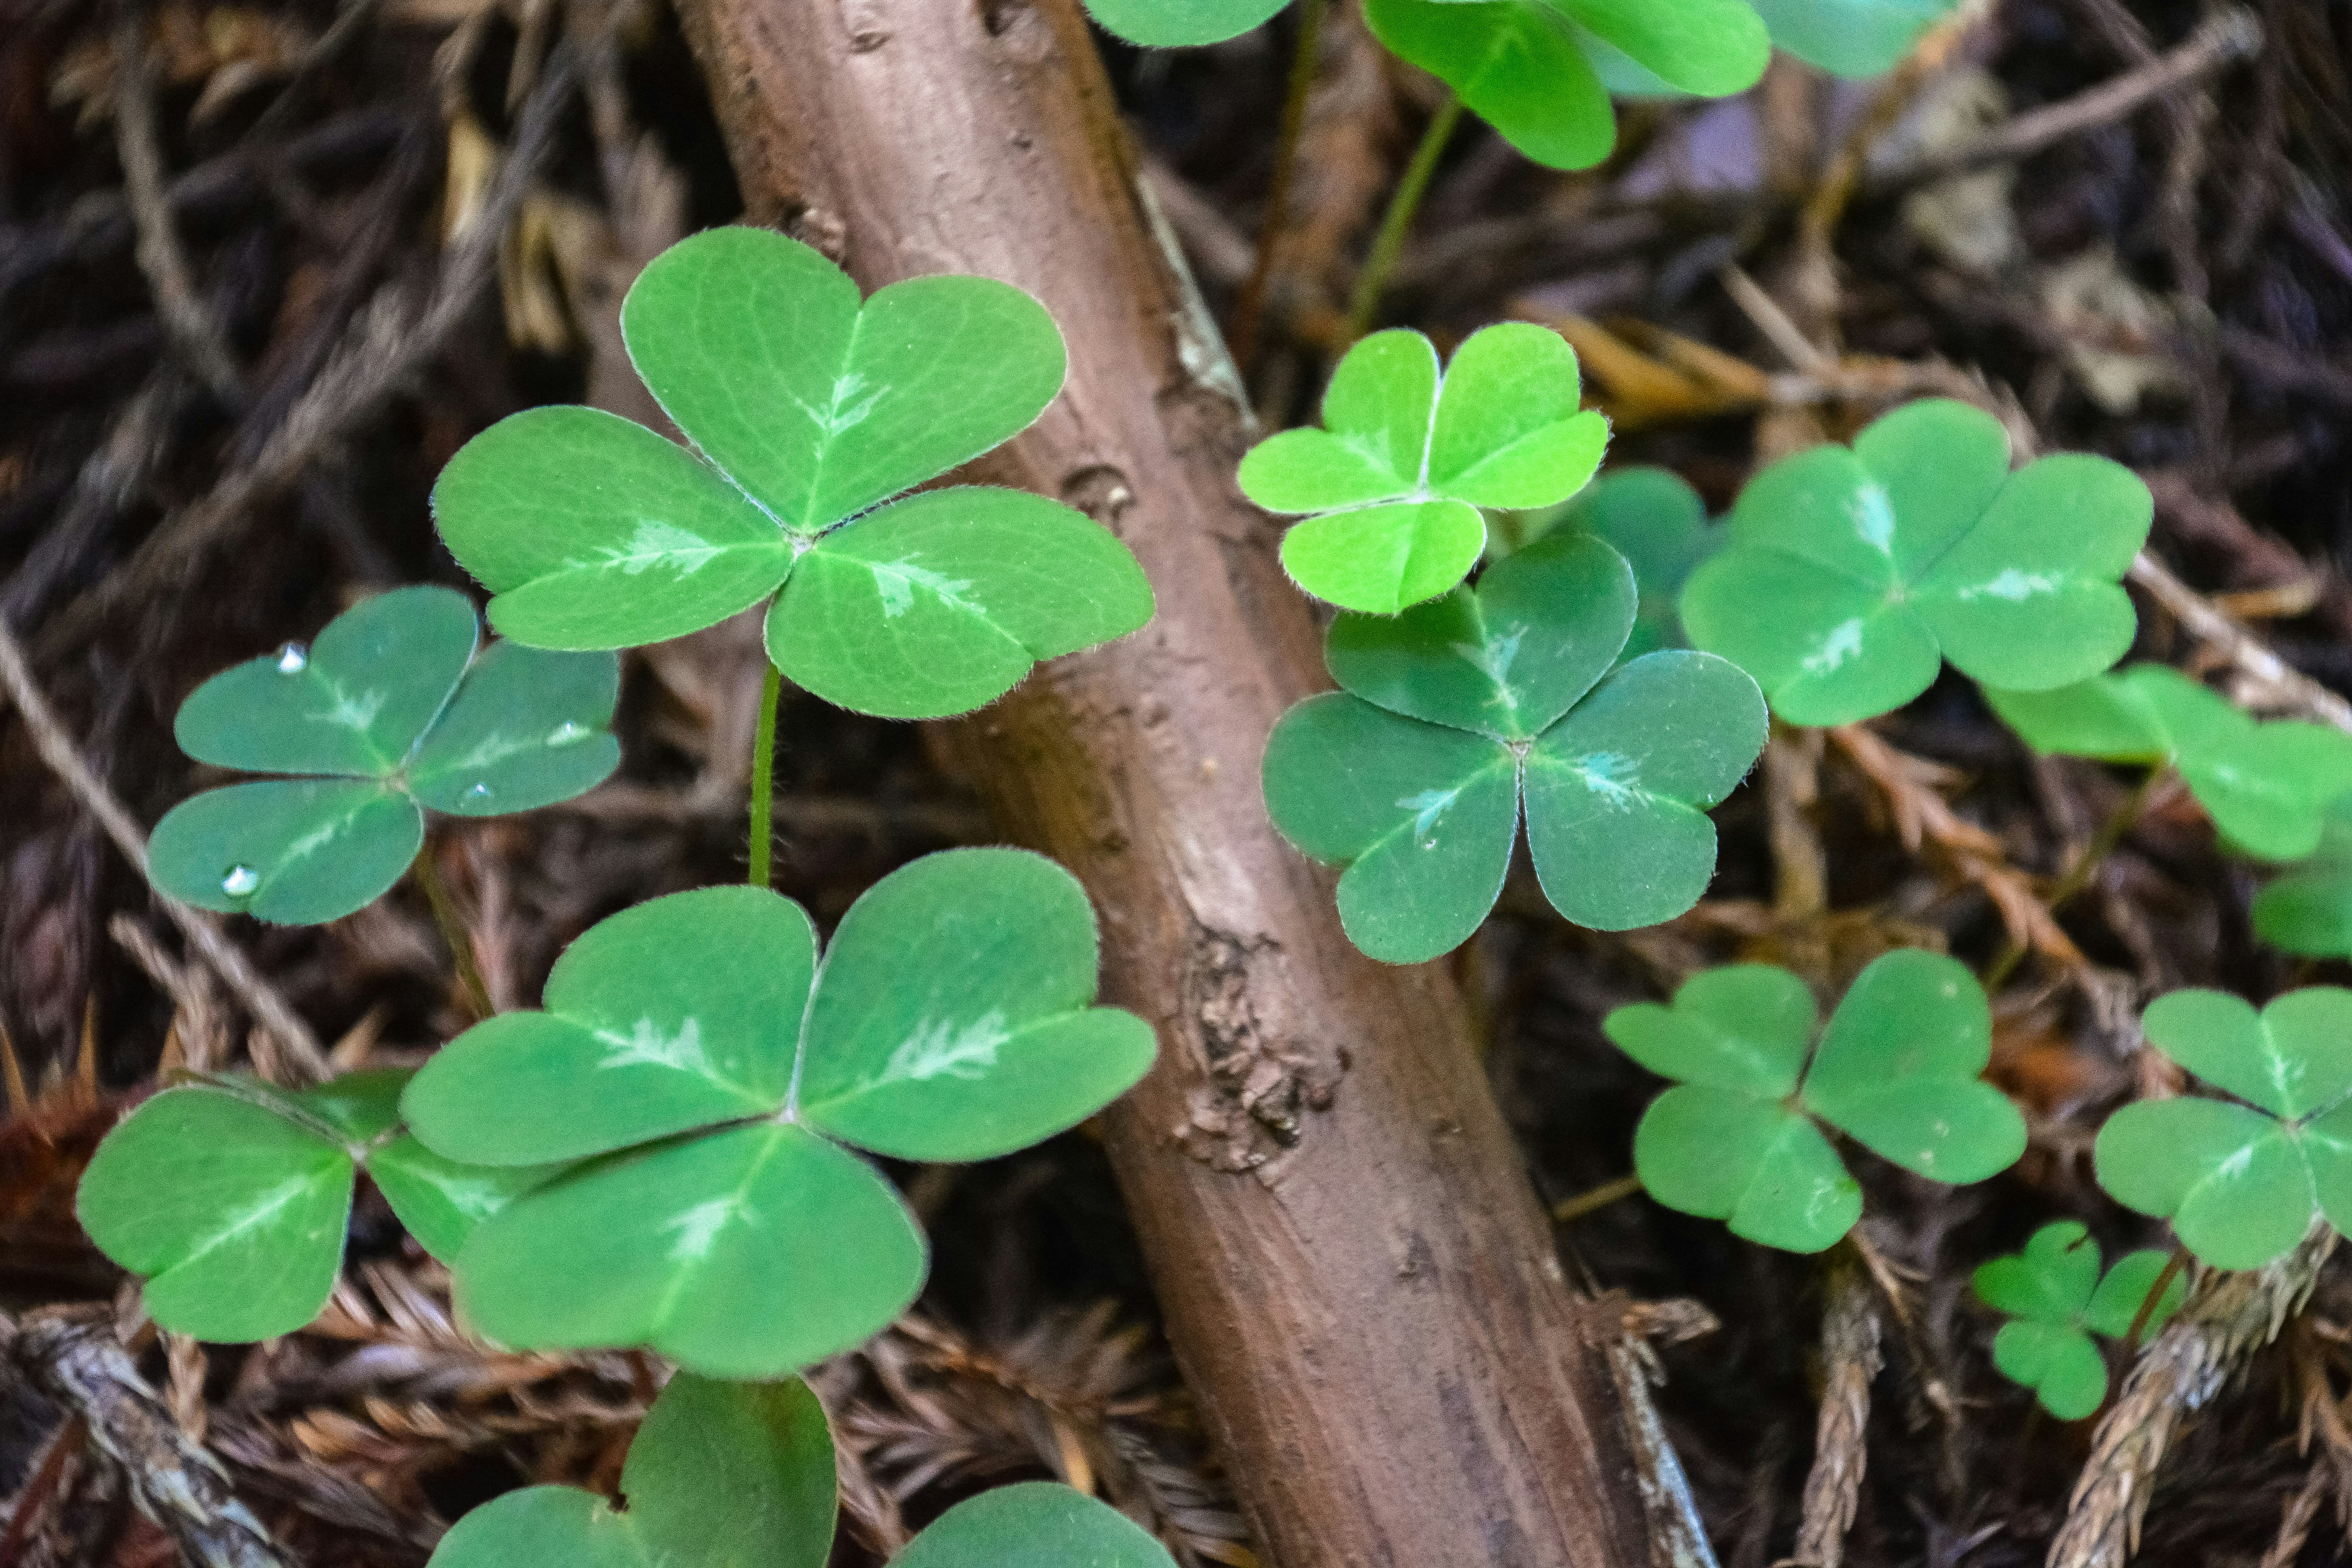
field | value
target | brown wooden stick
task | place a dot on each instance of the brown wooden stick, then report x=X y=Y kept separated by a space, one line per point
x=1355 y=1275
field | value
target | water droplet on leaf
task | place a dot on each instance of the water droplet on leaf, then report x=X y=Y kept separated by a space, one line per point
x=292 y=660
x=567 y=735
x=479 y=792
x=240 y=880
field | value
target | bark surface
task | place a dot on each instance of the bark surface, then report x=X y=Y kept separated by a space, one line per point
x=1357 y=1278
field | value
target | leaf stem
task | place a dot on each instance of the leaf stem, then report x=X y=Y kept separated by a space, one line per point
x=1577 y=1204
x=2077 y=876
x=2171 y=1271
x=453 y=931
x=1249 y=305
x=764 y=774
x=1390 y=243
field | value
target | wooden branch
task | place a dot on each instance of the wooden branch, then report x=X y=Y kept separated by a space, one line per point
x=1355 y=1275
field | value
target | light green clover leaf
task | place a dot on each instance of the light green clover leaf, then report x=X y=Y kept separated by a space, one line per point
x=1658 y=523
x=1851 y=574
x=812 y=414
x=1172 y=24
x=2267 y=786
x=233 y=1198
x=1540 y=72
x=725 y=1223
x=2241 y=1179
x=1405 y=458
x=399 y=711
x=1850 y=38
x=2057 y=1300
x=1740 y=1139
x=2308 y=911
x=742 y=1475
x=1457 y=712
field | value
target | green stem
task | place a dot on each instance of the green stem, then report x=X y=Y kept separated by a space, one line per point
x=1390 y=243
x=2087 y=865
x=764 y=774
x=452 y=931
x=1249 y=306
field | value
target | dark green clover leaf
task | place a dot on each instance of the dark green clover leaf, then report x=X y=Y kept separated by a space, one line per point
x=812 y=414
x=1170 y=23
x=742 y=1475
x=399 y=713
x=725 y=1223
x=1455 y=713
x=2241 y=1179
x=1740 y=1139
x=1540 y=72
x=2308 y=911
x=2056 y=1301
x=1852 y=37
x=1659 y=526
x=2267 y=786
x=233 y=1198
x=1405 y=459
x=1851 y=574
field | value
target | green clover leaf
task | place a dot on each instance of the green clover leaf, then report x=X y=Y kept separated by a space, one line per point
x=1851 y=574
x=1405 y=459
x=810 y=411
x=1850 y=38
x=2056 y=1299
x=402 y=713
x=1740 y=1139
x=2267 y=786
x=1172 y=24
x=725 y=1223
x=742 y=1475
x=233 y=1198
x=2241 y=1179
x=1540 y=72
x=1457 y=712
x=2308 y=911
x=1658 y=523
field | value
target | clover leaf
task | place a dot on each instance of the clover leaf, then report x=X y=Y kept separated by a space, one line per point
x=395 y=711
x=726 y=1224
x=1457 y=712
x=1171 y=24
x=742 y=1475
x=233 y=1198
x=1406 y=458
x=1739 y=1137
x=2056 y=1301
x=1658 y=523
x=812 y=414
x=1851 y=574
x=2267 y=786
x=1850 y=38
x=1540 y=72
x=2308 y=911
x=2240 y=1179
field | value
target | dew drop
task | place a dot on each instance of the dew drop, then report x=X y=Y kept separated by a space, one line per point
x=240 y=880
x=479 y=792
x=567 y=735
x=293 y=660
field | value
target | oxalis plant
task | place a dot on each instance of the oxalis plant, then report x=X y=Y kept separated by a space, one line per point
x=1457 y=716
x=1656 y=521
x=2056 y=1299
x=725 y=1474
x=395 y=709
x=1743 y=1136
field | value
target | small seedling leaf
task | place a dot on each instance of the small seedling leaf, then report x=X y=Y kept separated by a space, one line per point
x=1173 y=24
x=2267 y=785
x=2059 y=1363
x=2052 y=1281
x=1033 y=1524
x=1736 y=1138
x=1850 y=38
x=1658 y=523
x=727 y=1474
x=1850 y=574
x=2054 y=1291
x=1405 y=458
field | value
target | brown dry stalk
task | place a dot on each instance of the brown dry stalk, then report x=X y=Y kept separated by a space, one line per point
x=1850 y=1330
x=2228 y=1318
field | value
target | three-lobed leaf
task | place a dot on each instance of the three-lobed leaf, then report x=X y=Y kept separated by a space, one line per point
x=720 y=1220
x=2242 y=1180
x=1394 y=479
x=2054 y=1294
x=395 y=711
x=1459 y=714
x=1740 y=1136
x=812 y=414
x=1659 y=525
x=233 y=1198
x=2268 y=786
x=1850 y=574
